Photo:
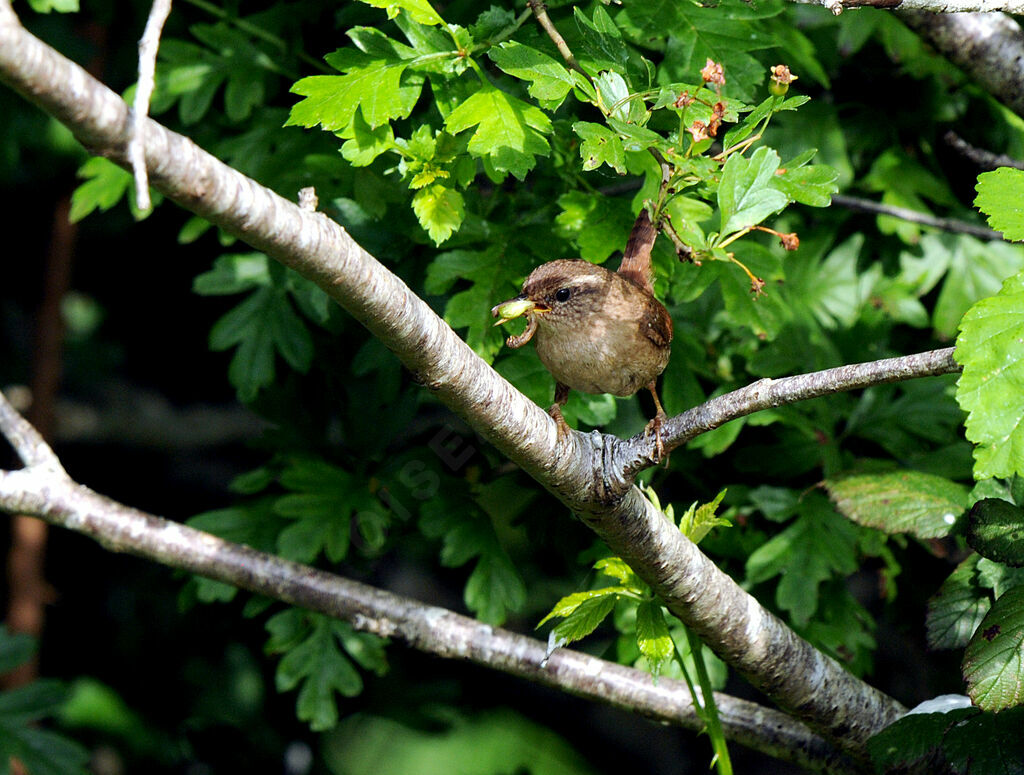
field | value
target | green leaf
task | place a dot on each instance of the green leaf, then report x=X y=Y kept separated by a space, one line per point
x=365 y=143
x=745 y=194
x=956 y=610
x=600 y=146
x=262 y=325
x=317 y=663
x=995 y=529
x=987 y=742
x=602 y=47
x=105 y=184
x=440 y=211
x=419 y=10
x=993 y=664
x=975 y=270
x=924 y=505
x=42 y=752
x=60 y=6
x=549 y=80
x=509 y=132
x=568 y=604
x=652 y=636
x=1000 y=197
x=811 y=185
x=991 y=349
x=598 y=225
x=914 y=738
x=375 y=82
x=491 y=275
x=323 y=501
x=698 y=521
x=233 y=273
x=818 y=546
x=495 y=585
x=584 y=619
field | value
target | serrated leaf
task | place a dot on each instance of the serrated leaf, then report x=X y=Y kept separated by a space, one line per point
x=419 y=10
x=914 y=738
x=745 y=194
x=987 y=743
x=495 y=585
x=812 y=185
x=233 y=273
x=440 y=211
x=991 y=349
x=601 y=45
x=104 y=185
x=993 y=664
x=549 y=80
x=322 y=503
x=616 y=568
x=568 y=604
x=924 y=505
x=365 y=143
x=956 y=610
x=600 y=146
x=585 y=619
x=323 y=670
x=995 y=529
x=698 y=521
x=376 y=83
x=819 y=545
x=652 y=636
x=508 y=132
x=262 y=325
x=1001 y=198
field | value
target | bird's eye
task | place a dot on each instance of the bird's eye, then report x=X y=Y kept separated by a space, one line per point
x=562 y=294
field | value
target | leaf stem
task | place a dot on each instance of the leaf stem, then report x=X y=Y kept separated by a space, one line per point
x=709 y=712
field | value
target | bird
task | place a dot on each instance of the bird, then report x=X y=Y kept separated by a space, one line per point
x=595 y=330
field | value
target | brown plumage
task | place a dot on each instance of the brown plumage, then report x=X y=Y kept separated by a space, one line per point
x=596 y=330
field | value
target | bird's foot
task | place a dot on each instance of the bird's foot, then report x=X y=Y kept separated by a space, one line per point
x=556 y=414
x=654 y=428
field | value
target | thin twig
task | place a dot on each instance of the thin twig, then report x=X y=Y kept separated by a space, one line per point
x=985 y=159
x=541 y=12
x=771 y=393
x=148 y=47
x=27 y=442
x=913 y=216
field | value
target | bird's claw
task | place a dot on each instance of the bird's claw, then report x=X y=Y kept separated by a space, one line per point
x=654 y=427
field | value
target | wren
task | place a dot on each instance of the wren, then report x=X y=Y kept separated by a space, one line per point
x=595 y=330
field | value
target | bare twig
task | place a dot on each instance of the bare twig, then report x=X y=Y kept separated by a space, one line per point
x=913 y=216
x=540 y=11
x=143 y=91
x=987 y=160
x=770 y=393
x=48 y=493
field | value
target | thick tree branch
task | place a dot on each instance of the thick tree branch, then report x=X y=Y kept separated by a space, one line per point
x=931 y=6
x=44 y=489
x=585 y=471
x=989 y=47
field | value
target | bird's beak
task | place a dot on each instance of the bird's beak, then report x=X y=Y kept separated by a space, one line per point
x=515 y=308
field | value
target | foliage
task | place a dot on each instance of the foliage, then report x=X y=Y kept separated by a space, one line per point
x=458 y=146
x=40 y=751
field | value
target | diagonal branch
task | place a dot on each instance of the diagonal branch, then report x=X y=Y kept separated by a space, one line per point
x=45 y=491
x=584 y=471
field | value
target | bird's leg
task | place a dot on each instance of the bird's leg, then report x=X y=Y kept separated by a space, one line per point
x=561 y=396
x=654 y=426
